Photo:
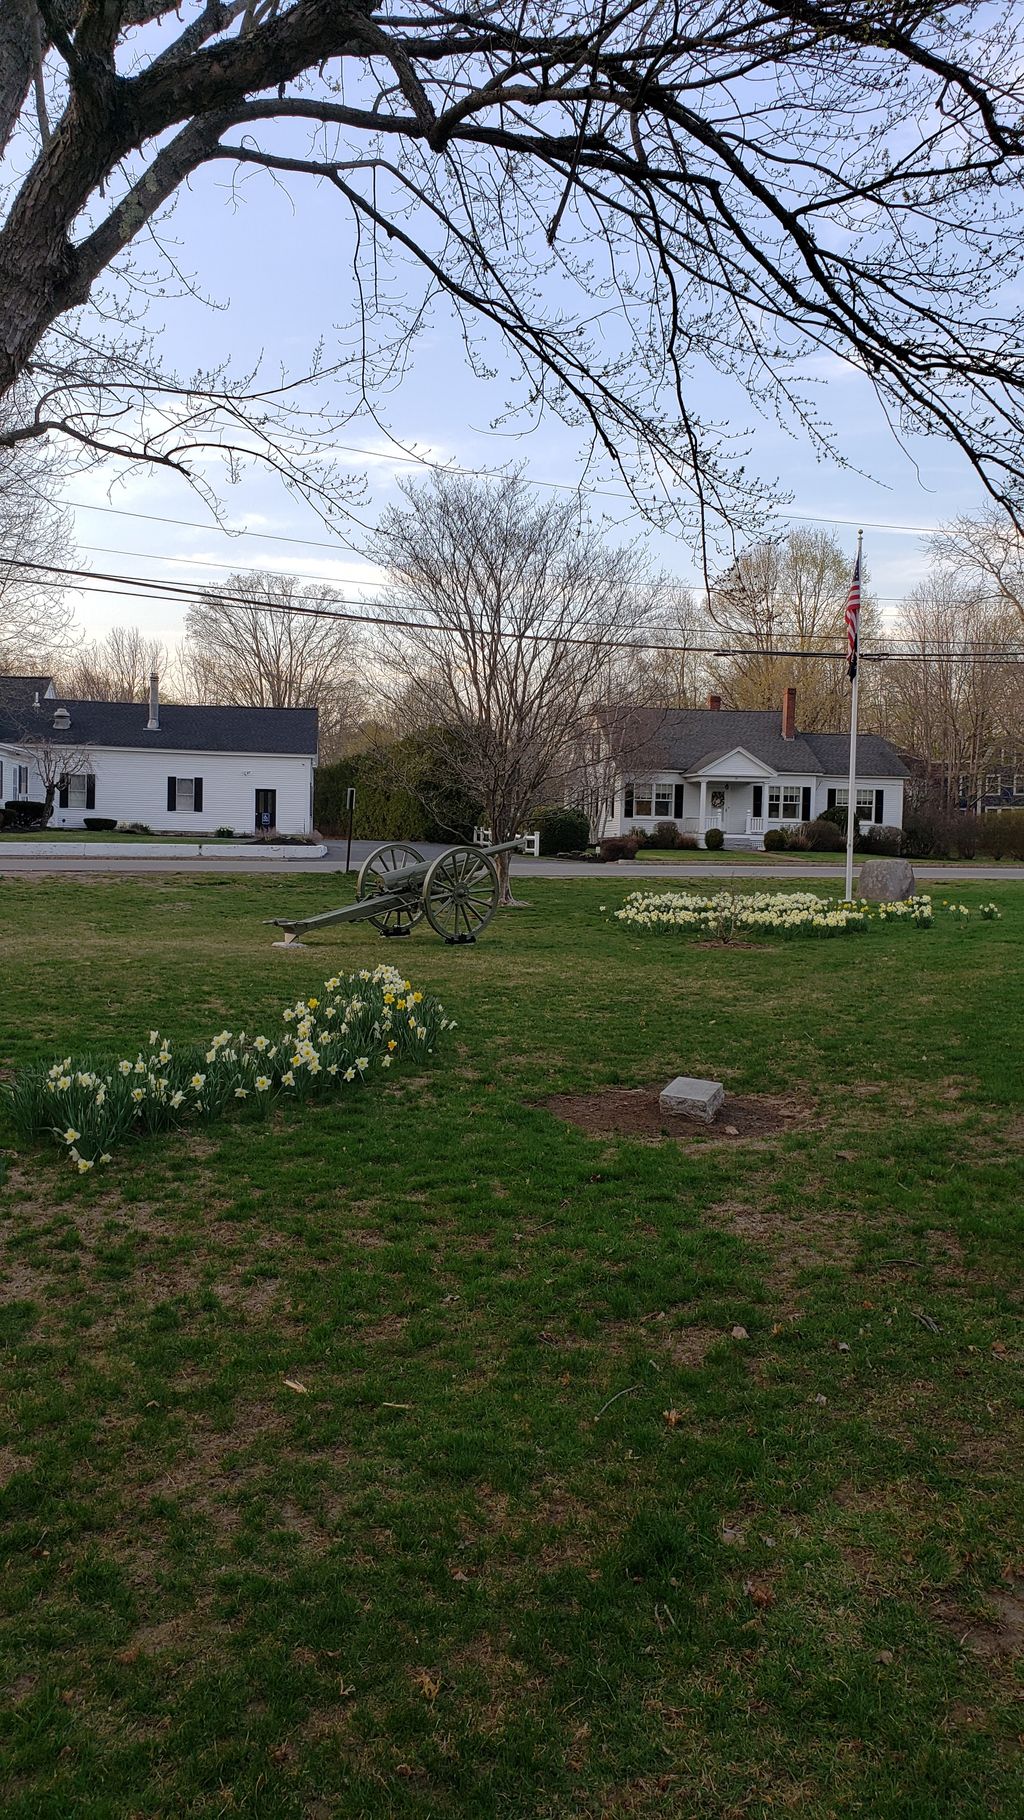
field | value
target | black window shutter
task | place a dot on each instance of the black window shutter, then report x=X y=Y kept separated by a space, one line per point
x=197 y=800
x=90 y=791
x=627 y=801
x=805 y=803
x=831 y=800
x=879 y=805
x=172 y=793
x=758 y=799
x=677 y=801
x=62 y=796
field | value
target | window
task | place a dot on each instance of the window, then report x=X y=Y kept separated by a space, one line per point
x=783 y=802
x=992 y=783
x=185 y=794
x=21 y=780
x=865 y=803
x=662 y=799
x=79 y=792
x=1018 y=783
x=643 y=800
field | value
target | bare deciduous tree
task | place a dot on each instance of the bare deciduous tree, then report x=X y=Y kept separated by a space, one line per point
x=947 y=702
x=514 y=615
x=788 y=594
x=265 y=642
x=983 y=554
x=35 y=624
x=115 y=668
x=622 y=196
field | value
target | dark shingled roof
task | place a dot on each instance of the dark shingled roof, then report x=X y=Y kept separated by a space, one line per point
x=687 y=739
x=291 y=731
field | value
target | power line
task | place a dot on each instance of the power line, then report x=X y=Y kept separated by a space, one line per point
x=187 y=594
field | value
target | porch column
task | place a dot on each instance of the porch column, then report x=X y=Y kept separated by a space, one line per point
x=703 y=805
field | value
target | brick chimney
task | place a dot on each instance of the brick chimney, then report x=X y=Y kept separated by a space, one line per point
x=714 y=702
x=789 y=714
x=153 y=723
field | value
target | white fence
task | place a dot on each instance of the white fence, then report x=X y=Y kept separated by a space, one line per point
x=531 y=842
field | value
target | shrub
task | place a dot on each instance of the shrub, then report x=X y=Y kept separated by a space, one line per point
x=25 y=815
x=619 y=846
x=134 y=828
x=562 y=830
x=775 y=841
x=1001 y=836
x=825 y=835
x=642 y=836
x=687 y=843
x=223 y=833
x=100 y=824
x=666 y=834
x=886 y=842
x=931 y=830
x=714 y=839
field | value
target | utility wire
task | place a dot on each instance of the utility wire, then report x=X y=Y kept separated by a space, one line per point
x=187 y=594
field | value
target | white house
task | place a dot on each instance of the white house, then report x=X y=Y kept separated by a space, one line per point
x=177 y=769
x=744 y=772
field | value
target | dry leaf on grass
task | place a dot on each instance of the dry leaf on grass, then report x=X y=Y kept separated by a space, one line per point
x=759 y=1593
x=672 y=1417
x=293 y=1384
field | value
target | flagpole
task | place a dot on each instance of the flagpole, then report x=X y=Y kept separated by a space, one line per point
x=851 y=794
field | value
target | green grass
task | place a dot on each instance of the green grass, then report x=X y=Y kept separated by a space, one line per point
x=451 y=1577
x=733 y=856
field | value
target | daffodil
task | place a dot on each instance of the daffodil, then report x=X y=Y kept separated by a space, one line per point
x=71 y=1136
x=241 y=1093
x=262 y=1083
x=197 y=1081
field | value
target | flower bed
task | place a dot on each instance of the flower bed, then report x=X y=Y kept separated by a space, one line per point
x=726 y=913
x=355 y=1028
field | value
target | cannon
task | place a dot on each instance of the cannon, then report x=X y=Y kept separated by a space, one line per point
x=457 y=892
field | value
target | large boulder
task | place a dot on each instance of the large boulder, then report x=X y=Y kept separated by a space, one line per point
x=886 y=881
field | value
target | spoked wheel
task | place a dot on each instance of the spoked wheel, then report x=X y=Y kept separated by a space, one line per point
x=372 y=882
x=460 y=893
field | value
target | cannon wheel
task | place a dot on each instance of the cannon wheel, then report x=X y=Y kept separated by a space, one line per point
x=460 y=893
x=371 y=882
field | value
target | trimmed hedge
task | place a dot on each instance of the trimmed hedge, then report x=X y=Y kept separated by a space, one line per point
x=714 y=840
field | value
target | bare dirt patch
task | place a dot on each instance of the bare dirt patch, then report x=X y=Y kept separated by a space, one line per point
x=635 y=1112
x=999 y=1633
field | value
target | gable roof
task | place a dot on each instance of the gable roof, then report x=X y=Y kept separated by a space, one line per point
x=97 y=724
x=687 y=739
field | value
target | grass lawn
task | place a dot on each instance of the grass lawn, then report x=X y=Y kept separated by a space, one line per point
x=452 y=1576
x=735 y=856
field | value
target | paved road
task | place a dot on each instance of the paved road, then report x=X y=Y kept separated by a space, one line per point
x=934 y=872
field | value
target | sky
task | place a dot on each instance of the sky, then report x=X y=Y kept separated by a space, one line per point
x=275 y=268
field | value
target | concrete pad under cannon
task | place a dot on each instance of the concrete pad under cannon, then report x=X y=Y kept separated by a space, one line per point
x=689 y=1098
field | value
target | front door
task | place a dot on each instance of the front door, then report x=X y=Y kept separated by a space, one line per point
x=266 y=811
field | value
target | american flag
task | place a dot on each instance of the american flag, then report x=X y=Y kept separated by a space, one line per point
x=853 y=618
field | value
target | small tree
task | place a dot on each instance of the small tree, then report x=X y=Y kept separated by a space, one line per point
x=52 y=762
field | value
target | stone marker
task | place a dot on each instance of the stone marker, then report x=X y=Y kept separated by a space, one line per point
x=886 y=881
x=692 y=1099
